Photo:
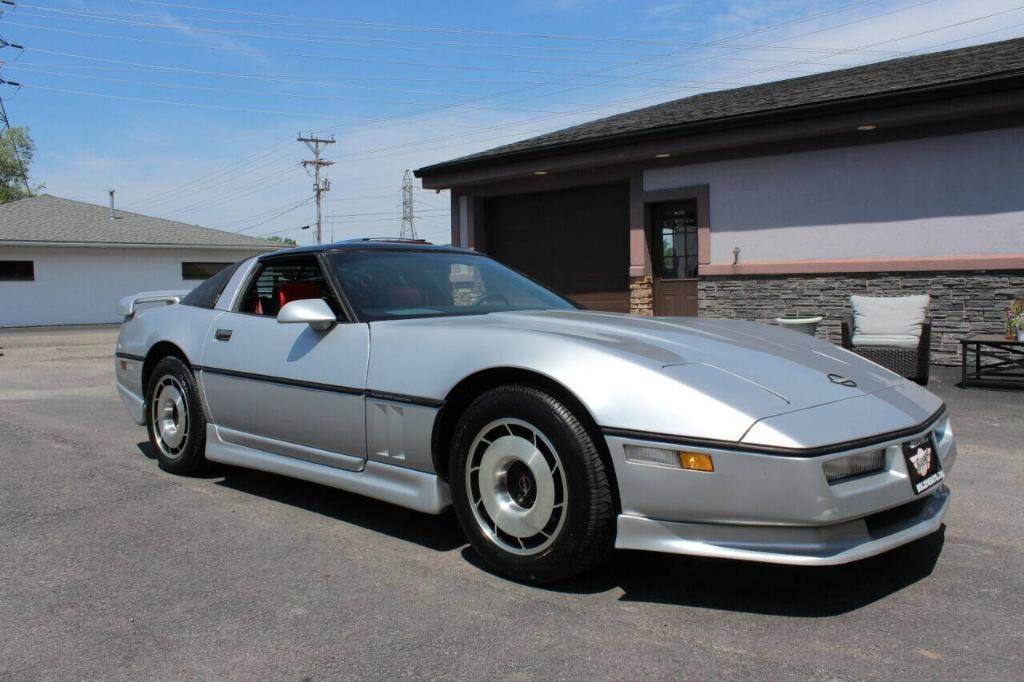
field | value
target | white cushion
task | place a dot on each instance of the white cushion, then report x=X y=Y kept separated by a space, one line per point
x=897 y=340
x=900 y=316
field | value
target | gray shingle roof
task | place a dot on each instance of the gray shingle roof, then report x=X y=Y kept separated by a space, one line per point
x=883 y=78
x=49 y=220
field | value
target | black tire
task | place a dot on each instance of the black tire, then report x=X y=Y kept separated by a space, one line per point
x=186 y=456
x=577 y=543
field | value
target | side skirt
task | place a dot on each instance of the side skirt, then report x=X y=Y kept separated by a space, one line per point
x=416 y=490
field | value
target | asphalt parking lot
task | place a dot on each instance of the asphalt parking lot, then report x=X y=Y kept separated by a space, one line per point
x=110 y=568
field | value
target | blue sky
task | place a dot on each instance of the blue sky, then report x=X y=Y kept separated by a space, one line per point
x=190 y=108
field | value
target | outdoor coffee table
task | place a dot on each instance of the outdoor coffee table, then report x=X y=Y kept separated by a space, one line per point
x=1005 y=366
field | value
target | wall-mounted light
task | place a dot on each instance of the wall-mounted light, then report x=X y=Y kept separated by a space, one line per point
x=735 y=255
x=540 y=172
x=663 y=155
x=867 y=127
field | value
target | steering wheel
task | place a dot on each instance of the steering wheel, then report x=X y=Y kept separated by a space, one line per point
x=494 y=295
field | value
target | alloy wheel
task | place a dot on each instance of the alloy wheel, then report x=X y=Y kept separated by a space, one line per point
x=170 y=417
x=516 y=486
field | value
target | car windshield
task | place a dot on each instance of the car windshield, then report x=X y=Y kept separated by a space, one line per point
x=385 y=285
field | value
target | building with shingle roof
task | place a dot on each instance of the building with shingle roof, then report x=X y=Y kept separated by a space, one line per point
x=777 y=199
x=69 y=262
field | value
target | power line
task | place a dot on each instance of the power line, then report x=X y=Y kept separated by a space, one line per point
x=925 y=32
x=460 y=31
x=390 y=44
x=376 y=62
x=604 y=72
x=206 y=181
x=289 y=95
x=356 y=156
x=369 y=123
x=277 y=215
x=575 y=49
x=192 y=105
x=367 y=127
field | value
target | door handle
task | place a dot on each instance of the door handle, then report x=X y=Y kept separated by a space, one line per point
x=222 y=335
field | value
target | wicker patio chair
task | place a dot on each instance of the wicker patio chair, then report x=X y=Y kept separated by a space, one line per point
x=908 y=361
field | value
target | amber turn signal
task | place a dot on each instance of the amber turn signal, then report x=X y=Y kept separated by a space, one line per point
x=696 y=461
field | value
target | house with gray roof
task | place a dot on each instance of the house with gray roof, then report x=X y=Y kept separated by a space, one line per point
x=778 y=199
x=69 y=262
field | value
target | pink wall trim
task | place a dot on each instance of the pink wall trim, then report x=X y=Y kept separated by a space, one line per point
x=917 y=264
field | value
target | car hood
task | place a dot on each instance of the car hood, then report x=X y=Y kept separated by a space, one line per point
x=724 y=380
x=769 y=369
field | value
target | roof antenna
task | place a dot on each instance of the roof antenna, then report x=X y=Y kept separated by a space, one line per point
x=113 y=216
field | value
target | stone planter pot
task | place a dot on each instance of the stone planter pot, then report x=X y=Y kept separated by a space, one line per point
x=806 y=325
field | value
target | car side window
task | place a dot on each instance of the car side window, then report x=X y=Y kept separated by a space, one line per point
x=281 y=281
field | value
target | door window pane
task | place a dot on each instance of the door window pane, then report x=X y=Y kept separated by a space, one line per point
x=676 y=225
x=279 y=282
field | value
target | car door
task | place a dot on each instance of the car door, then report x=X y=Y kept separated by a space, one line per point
x=287 y=388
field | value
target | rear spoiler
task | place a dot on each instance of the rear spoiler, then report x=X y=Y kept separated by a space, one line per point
x=126 y=306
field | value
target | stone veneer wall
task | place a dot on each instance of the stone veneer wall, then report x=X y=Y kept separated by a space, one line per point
x=641 y=296
x=962 y=303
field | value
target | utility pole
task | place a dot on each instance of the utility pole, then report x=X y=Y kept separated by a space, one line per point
x=315 y=144
x=408 y=204
x=4 y=121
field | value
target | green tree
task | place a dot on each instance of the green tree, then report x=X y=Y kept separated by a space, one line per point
x=16 y=152
x=286 y=241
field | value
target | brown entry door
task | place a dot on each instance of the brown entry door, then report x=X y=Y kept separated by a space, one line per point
x=674 y=252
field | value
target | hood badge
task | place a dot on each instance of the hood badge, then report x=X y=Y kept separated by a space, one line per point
x=841 y=380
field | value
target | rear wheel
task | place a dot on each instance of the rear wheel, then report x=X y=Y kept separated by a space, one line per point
x=174 y=417
x=529 y=486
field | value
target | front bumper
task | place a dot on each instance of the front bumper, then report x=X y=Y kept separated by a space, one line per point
x=800 y=546
x=774 y=508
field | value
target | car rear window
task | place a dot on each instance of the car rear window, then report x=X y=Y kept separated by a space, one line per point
x=206 y=294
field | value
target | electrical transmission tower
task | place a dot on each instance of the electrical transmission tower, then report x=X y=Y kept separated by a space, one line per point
x=315 y=144
x=408 y=204
x=3 y=109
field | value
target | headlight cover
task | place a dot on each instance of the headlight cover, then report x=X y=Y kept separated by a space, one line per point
x=841 y=468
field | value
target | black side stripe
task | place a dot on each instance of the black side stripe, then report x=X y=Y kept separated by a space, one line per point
x=129 y=356
x=402 y=398
x=769 y=450
x=317 y=386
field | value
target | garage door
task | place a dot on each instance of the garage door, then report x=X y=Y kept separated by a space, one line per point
x=575 y=241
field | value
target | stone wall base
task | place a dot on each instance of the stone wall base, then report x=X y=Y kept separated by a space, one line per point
x=641 y=296
x=962 y=303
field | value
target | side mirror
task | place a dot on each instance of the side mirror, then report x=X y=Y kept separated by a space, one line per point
x=312 y=311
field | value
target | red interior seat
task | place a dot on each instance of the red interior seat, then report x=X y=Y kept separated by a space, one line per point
x=404 y=297
x=297 y=291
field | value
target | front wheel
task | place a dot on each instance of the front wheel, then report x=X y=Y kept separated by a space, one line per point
x=529 y=486
x=174 y=418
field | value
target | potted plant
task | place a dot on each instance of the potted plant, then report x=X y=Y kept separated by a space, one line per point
x=1015 y=317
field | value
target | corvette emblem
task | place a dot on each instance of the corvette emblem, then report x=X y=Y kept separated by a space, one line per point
x=841 y=380
x=922 y=460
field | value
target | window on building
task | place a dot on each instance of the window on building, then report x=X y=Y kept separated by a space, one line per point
x=201 y=270
x=17 y=270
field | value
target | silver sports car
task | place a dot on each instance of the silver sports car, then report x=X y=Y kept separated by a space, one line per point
x=432 y=376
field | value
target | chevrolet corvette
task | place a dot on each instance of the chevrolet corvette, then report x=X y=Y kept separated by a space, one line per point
x=435 y=377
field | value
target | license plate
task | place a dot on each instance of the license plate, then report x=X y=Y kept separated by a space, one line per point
x=923 y=463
